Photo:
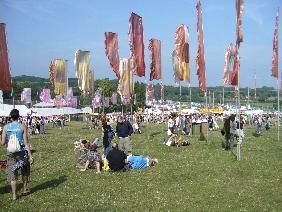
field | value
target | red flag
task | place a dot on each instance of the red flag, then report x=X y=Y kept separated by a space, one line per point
x=275 y=49
x=236 y=66
x=5 y=82
x=111 y=50
x=136 y=43
x=200 y=59
x=156 y=69
x=239 y=12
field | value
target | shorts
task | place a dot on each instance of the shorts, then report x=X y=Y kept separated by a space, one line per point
x=125 y=145
x=12 y=159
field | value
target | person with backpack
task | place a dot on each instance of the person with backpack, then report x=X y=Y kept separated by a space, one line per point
x=19 y=156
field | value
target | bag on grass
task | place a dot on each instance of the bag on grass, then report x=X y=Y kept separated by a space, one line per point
x=13 y=144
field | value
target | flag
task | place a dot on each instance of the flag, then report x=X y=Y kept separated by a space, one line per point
x=26 y=95
x=200 y=59
x=106 y=101
x=149 y=94
x=97 y=98
x=126 y=83
x=239 y=12
x=182 y=52
x=81 y=62
x=111 y=50
x=114 y=98
x=59 y=101
x=45 y=96
x=229 y=63
x=136 y=43
x=175 y=65
x=52 y=74
x=236 y=66
x=60 y=77
x=155 y=55
x=5 y=82
x=275 y=48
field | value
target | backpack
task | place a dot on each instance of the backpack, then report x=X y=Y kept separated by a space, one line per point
x=13 y=144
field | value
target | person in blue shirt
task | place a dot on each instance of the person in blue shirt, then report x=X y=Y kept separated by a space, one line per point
x=140 y=161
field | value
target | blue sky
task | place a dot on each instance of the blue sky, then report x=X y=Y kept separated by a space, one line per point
x=41 y=30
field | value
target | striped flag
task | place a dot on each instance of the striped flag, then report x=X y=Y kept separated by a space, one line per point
x=26 y=95
x=52 y=74
x=5 y=82
x=155 y=55
x=182 y=51
x=136 y=43
x=275 y=48
x=200 y=59
x=111 y=50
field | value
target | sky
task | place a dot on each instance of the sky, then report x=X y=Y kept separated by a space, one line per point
x=39 y=31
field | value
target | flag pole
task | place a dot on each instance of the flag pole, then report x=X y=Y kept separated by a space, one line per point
x=207 y=116
x=278 y=101
x=239 y=106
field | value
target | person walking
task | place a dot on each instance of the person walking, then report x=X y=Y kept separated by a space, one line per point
x=19 y=156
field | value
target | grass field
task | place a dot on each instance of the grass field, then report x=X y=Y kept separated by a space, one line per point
x=201 y=176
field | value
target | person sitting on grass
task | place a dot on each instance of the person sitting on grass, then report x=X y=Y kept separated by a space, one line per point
x=181 y=142
x=83 y=148
x=170 y=140
x=140 y=161
x=116 y=159
x=93 y=159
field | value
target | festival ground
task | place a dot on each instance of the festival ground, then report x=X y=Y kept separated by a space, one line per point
x=201 y=176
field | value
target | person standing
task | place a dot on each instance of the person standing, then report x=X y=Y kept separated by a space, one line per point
x=108 y=134
x=18 y=158
x=124 y=130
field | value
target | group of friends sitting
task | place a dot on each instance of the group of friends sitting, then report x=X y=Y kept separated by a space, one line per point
x=116 y=160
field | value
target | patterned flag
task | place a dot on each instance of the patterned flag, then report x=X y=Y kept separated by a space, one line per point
x=114 y=98
x=136 y=43
x=59 y=102
x=229 y=63
x=26 y=95
x=52 y=74
x=236 y=66
x=60 y=77
x=45 y=96
x=111 y=50
x=126 y=83
x=149 y=94
x=97 y=98
x=175 y=65
x=275 y=48
x=156 y=68
x=5 y=82
x=239 y=12
x=182 y=51
x=74 y=102
x=81 y=61
x=200 y=59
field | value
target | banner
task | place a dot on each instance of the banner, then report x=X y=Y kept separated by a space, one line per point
x=81 y=62
x=275 y=56
x=229 y=63
x=97 y=98
x=45 y=96
x=239 y=12
x=155 y=55
x=106 y=101
x=149 y=94
x=136 y=43
x=5 y=81
x=52 y=74
x=175 y=65
x=182 y=51
x=200 y=59
x=60 y=77
x=59 y=101
x=114 y=98
x=111 y=50
x=26 y=95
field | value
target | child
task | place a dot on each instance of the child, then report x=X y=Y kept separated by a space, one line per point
x=93 y=159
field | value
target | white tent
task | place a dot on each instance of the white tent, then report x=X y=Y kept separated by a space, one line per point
x=86 y=110
x=44 y=104
x=5 y=109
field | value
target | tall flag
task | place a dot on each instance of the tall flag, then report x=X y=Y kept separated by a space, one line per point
x=275 y=48
x=136 y=43
x=52 y=74
x=126 y=83
x=200 y=59
x=96 y=102
x=59 y=101
x=229 y=63
x=111 y=50
x=81 y=61
x=45 y=95
x=26 y=95
x=156 y=66
x=182 y=51
x=175 y=65
x=60 y=77
x=236 y=66
x=5 y=82
x=106 y=101
x=114 y=98
x=149 y=94
x=239 y=12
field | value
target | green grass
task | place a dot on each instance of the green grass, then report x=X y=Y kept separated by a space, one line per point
x=201 y=176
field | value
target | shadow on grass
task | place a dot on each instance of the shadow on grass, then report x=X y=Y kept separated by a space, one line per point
x=49 y=184
x=256 y=135
x=156 y=133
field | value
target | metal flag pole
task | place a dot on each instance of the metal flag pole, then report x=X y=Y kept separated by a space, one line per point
x=223 y=95
x=239 y=118
x=207 y=116
x=190 y=95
